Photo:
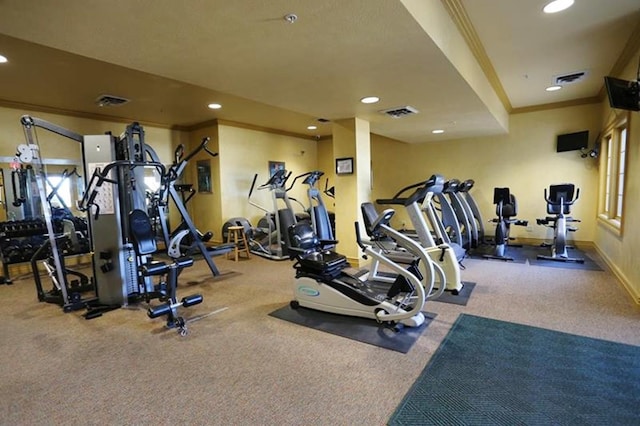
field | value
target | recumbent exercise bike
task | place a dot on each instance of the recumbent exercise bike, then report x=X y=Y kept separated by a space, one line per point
x=559 y=204
x=506 y=210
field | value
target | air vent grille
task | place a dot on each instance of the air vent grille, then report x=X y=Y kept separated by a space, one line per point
x=400 y=111
x=570 y=78
x=110 y=100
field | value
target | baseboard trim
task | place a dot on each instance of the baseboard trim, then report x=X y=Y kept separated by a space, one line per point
x=626 y=283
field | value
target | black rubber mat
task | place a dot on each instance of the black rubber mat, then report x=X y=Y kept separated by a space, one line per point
x=532 y=253
x=513 y=254
x=360 y=329
x=462 y=298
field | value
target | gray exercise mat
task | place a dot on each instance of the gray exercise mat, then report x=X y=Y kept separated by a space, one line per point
x=360 y=329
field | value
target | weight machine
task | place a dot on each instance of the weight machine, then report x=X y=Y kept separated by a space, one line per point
x=121 y=272
x=187 y=240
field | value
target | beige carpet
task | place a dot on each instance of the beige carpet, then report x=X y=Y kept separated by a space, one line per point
x=241 y=366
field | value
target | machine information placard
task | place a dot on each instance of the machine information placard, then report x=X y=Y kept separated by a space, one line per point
x=104 y=196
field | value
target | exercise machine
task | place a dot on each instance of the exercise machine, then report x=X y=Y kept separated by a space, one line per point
x=381 y=242
x=559 y=202
x=474 y=216
x=325 y=282
x=506 y=210
x=122 y=274
x=451 y=228
x=144 y=243
x=462 y=214
x=420 y=209
x=321 y=222
x=26 y=202
x=270 y=238
x=186 y=240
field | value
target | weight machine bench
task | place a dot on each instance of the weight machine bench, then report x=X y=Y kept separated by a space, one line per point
x=144 y=243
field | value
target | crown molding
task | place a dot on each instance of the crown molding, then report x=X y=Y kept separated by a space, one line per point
x=459 y=16
x=79 y=114
x=564 y=104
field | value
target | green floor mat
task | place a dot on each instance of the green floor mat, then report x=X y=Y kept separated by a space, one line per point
x=490 y=372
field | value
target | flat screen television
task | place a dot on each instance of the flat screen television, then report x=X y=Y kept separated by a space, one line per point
x=623 y=94
x=573 y=141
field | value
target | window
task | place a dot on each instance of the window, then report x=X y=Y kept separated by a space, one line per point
x=612 y=166
x=62 y=190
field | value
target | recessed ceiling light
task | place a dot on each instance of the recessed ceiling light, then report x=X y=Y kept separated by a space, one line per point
x=312 y=127
x=553 y=88
x=214 y=106
x=437 y=131
x=557 y=6
x=3 y=59
x=370 y=100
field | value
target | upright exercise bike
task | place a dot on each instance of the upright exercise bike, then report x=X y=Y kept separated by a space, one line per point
x=559 y=204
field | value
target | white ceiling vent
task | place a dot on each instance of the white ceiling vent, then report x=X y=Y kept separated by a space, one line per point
x=110 y=100
x=400 y=111
x=570 y=78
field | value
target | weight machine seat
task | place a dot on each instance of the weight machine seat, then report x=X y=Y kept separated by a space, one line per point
x=308 y=249
x=142 y=234
x=144 y=243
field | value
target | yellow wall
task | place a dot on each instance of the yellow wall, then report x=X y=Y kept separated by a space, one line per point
x=351 y=139
x=242 y=154
x=525 y=160
x=621 y=252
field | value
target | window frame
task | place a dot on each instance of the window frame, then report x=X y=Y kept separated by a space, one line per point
x=613 y=174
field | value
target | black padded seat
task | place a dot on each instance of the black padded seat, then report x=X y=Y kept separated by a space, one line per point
x=142 y=232
x=144 y=242
x=310 y=254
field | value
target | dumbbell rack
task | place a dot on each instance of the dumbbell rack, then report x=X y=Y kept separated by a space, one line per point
x=19 y=240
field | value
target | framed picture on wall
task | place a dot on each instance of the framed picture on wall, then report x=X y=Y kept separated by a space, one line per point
x=344 y=166
x=274 y=166
x=204 y=176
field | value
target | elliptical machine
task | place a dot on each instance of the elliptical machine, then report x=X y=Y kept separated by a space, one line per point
x=506 y=209
x=270 y=239
x=559 y=204
x=321 y=219
x=473 y=212
x=419 y=206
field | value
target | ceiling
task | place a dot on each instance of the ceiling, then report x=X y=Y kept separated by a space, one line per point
x=464 y=65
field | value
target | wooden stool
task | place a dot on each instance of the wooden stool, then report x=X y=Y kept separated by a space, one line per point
x=237 y=236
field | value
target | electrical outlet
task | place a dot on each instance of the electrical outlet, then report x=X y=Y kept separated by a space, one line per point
x=529 y=228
